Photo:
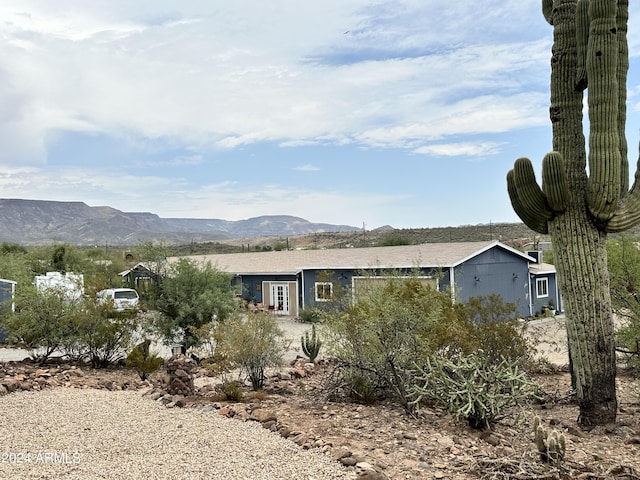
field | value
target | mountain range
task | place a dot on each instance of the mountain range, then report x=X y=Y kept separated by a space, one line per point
x=36 y=222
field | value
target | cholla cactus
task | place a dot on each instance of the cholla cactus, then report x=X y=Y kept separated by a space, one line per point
x=311 y=344
x=551 y=444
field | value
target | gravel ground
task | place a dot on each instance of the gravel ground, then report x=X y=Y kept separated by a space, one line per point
x=66 y=433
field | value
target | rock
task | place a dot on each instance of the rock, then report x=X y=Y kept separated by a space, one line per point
x=298 y=372
x=261 y=415
x=269 y=425
x=301 y=439
x=180 y=373
x=348 y=461
x=340 y=453
x=366 y=471
x=108 y=384
x=10 y=385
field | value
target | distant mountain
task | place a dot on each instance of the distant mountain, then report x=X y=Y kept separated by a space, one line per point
x=33 y=222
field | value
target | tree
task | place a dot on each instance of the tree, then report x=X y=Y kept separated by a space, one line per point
x=190 y=296
x=100 y=334
x=579 y=208
x=624 y=267
x=42 y=322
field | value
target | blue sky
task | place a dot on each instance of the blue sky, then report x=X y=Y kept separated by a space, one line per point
x=403 y=112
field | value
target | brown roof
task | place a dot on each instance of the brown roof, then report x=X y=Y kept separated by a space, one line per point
x=406 y=256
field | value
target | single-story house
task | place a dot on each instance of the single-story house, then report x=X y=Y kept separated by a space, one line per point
x=288 y=281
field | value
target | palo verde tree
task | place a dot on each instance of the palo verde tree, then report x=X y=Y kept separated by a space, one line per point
x=579 y=208
x=190 y=296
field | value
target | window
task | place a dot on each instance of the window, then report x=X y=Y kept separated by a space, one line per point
x=542 y=287
x=324 y=291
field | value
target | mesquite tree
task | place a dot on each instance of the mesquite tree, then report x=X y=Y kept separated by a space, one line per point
x=579 y=208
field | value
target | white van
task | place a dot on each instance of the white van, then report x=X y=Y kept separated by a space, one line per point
x=122 y=298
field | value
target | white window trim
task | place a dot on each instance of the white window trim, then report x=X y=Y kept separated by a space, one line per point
x=540 y=281
x=315 y=290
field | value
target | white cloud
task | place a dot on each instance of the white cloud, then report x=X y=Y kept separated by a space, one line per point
x=239 y=73
x=307 y=168
x=459 y=149
x=181 y=161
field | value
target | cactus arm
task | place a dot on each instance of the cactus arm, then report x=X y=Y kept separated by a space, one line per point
x=623 y=68
x=582 y=36
x=532 y=221
x=547 y=10
x=627 y=214
x=604 y=155
x=554 y=182
x=529 y=192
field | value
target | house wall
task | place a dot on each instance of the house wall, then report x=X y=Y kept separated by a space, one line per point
x=343 y=280
x=252 y=286
x=495 y=271
x=340 y=278
x=538 y=303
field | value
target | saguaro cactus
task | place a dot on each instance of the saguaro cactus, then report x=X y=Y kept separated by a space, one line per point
x=577 y=208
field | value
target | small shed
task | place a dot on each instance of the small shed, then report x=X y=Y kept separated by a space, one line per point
x=7 y=296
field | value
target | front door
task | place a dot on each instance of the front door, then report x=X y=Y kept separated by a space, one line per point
x=280 y=298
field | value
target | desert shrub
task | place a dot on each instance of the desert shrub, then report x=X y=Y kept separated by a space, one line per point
x=470 y=389
x=253 y=344
x=310 y=315
x=41 y=322
x=497 y=329
x=142 y=360
x=101 y=335
x=361 y=386
x=233 y=390
x=396 y=324
x=623 y=262
x=311 y=344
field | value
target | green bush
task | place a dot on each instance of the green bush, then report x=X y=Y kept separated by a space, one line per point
x=399 y=323
x=143 y=360
x=361 y=385
x=101 y=335
x=310 y=315
x=497 y=329
x=470 y=389
x=252 y=344
x=233 y=390
x=42 y=322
